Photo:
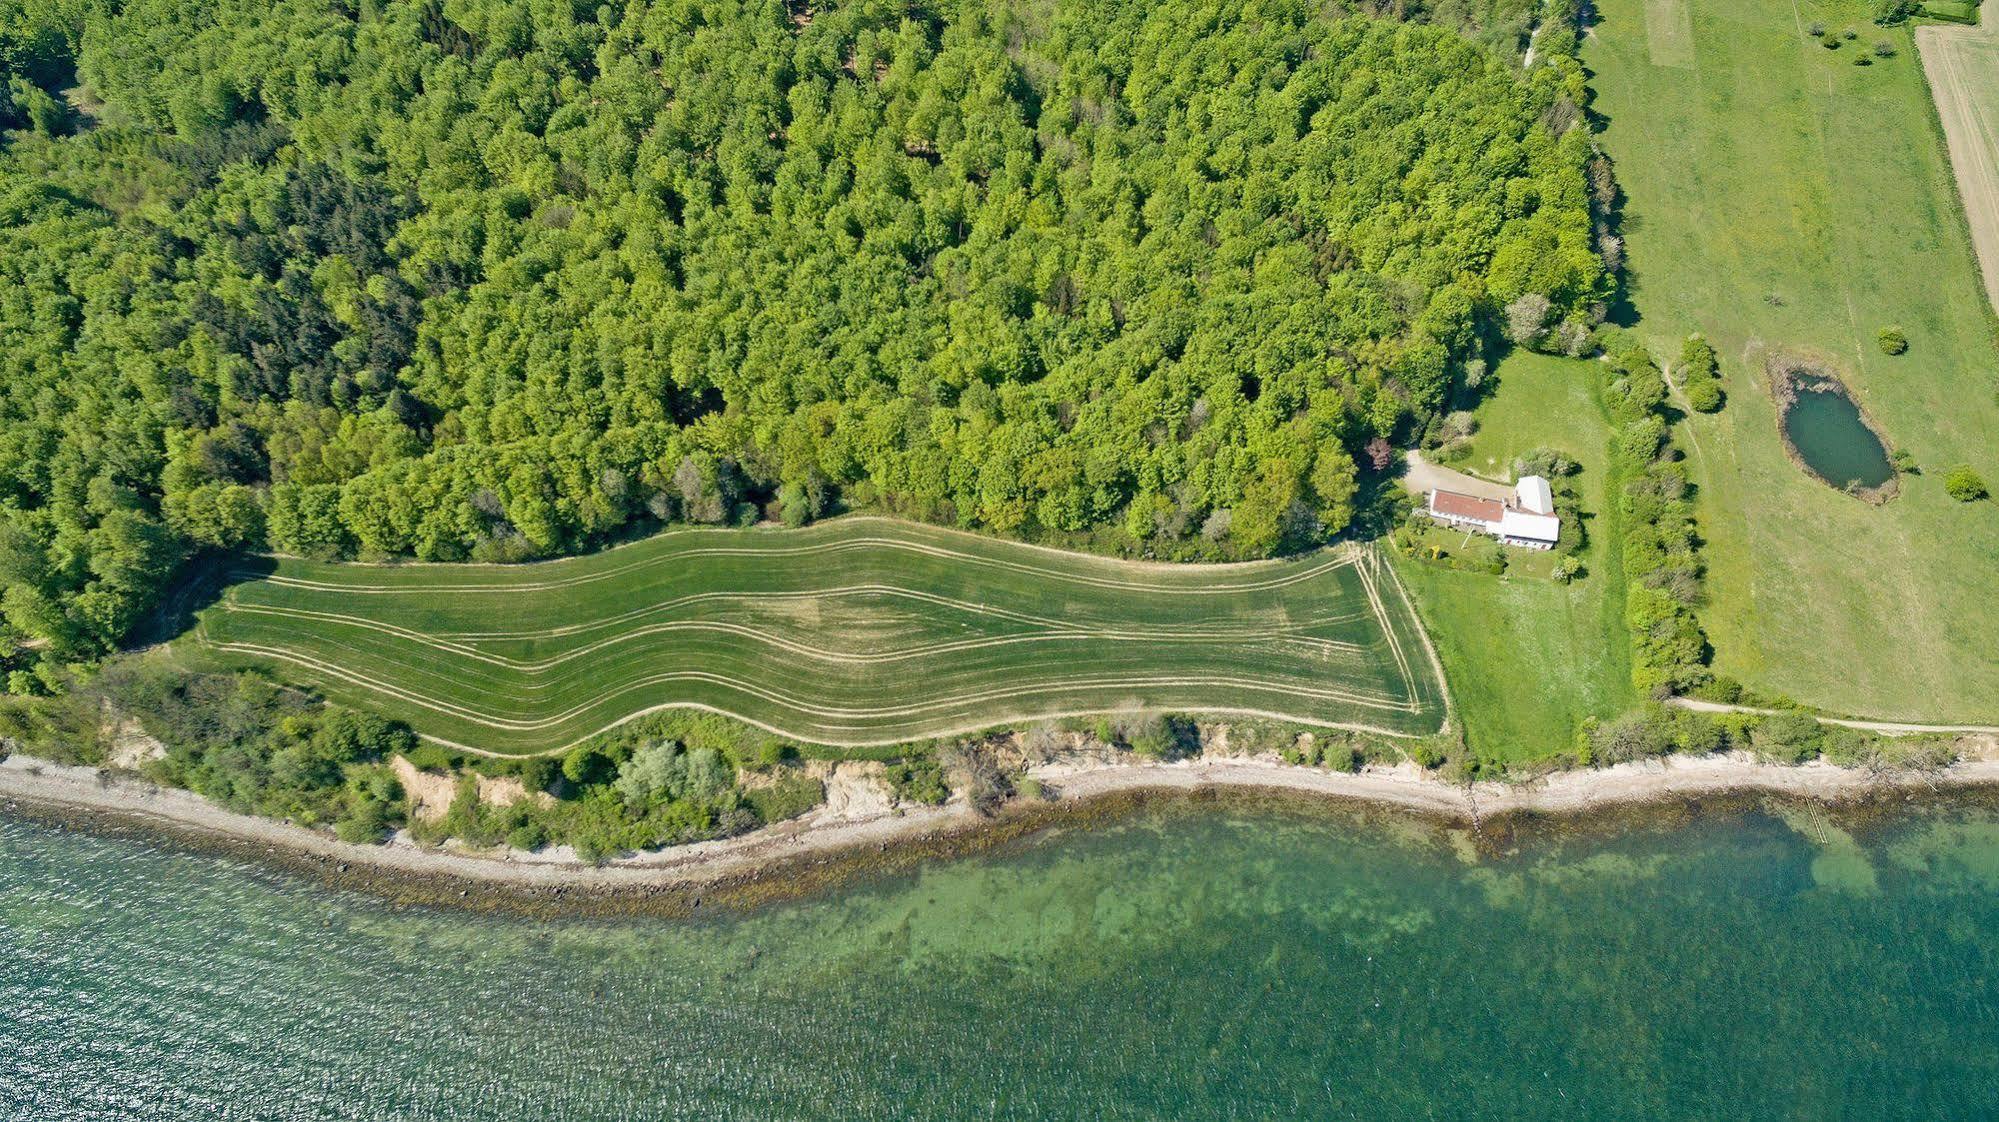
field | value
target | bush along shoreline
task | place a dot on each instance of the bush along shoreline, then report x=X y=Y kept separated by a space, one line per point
x=256 y=747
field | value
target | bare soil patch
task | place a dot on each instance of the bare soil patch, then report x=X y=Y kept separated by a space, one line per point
x=1962 y=66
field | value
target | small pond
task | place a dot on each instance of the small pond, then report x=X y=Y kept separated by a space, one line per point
x=1830 y=436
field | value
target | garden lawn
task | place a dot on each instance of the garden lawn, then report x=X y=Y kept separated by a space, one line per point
x=1779 y=197
x=1529 y=659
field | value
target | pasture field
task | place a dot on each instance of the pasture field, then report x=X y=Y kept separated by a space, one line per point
x=1529 y=659
x=1781 y=198
x=855 y=632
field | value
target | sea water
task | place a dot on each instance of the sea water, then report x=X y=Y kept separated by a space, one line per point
x=1181 y=963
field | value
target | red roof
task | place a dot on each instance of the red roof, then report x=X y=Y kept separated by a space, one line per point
x=1454 y=505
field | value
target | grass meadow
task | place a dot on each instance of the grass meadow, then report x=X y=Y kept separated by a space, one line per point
x=1528 y=659
x=1781 y=198
x=855 y=632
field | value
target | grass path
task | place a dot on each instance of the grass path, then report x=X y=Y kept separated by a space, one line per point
x=854 y=633
x=1885 y=728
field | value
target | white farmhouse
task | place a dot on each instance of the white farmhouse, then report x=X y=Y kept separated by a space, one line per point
x=1527 y=520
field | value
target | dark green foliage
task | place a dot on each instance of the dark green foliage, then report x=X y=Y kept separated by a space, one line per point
x=435 y=757
x=538 y=773
x=1156 y=735
x=918 y=780
x=496 y=280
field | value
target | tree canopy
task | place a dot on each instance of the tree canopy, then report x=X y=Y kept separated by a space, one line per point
x=497 y=279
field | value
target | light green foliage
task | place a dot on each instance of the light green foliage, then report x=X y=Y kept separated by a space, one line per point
x=1662 y=564
x=663 y=771
x=1787 y=738
x=853 y=631
x=1654 y=731
x=495 y=280
x=1699 y=375
x=1963 y=484
x=1892 y=341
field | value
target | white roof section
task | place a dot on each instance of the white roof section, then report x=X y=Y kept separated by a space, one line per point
x=1530 y=527
x=1536 y=497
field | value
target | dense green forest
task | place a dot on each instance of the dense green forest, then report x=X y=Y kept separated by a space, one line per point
x=498 y=279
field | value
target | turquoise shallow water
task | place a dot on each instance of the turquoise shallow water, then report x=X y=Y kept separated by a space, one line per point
x=1184 y=963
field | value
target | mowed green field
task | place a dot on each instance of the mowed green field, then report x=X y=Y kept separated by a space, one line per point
x=1530 y=659
x=1780 y=197
x=855 y=632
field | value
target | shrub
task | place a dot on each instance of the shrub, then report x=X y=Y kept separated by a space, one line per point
x=1787 y=738
x=538 y=773
x=530 y=836
x=1634 y=736
x=1816 y=30
x=1545 y=462
x=1964 y=484
x=1527 y=319
x=1705 y=395
x=1830 y=43
x=1697 y=734
x=1890 y=12
x=919 y=780
x=662 y=771
x=1697 y=356
x=585 y=765
x=1849 y=34
x=1884 y=49
x=1905 y=462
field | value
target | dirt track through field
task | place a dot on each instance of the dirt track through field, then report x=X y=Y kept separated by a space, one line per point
x=1962 y=66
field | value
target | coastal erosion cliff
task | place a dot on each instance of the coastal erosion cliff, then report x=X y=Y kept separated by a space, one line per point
x=859 y=818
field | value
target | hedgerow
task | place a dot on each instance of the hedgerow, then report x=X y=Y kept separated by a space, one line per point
x=1662 y=564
